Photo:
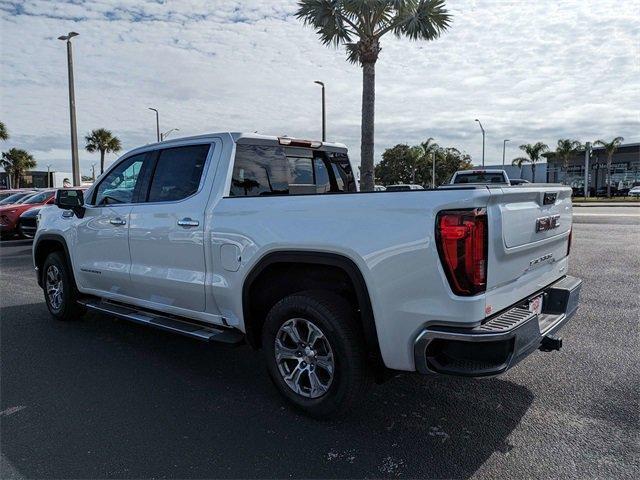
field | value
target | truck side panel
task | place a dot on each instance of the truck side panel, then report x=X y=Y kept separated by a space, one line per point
x=389 y=236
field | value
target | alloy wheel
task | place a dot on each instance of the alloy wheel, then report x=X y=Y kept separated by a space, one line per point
x=304 y=357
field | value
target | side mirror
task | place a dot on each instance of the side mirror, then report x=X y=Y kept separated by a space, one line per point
x=70 y=199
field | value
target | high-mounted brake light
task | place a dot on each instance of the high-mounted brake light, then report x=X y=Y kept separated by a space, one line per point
x=294 y=142
x=461 y=238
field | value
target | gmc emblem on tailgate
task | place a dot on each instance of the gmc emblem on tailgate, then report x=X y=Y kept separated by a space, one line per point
x=547 y=223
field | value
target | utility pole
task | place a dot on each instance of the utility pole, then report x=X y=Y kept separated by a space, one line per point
x=587 y=154
x=483 y=135
x=324 y=113
x=504 y=146
x=75 y=162
x=48 y=176
x=157 y=123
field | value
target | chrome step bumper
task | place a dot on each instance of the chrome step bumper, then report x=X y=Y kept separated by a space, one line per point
x=502 y=341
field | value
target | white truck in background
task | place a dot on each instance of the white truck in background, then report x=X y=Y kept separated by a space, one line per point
x=232 y=237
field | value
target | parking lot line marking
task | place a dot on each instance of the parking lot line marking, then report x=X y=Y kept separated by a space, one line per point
x=606 y=214
x=11 y=410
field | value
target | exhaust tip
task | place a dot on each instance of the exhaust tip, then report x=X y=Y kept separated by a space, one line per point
x=550 y=343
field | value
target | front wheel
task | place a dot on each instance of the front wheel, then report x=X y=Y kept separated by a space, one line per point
x=315 y=353
x=60 y=291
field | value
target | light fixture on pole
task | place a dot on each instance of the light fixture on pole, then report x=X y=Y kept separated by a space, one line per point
x=157 y=123
x=482 y=128
x=504 y=146
x=164 y=135
x=324 y=112
x=75 y=161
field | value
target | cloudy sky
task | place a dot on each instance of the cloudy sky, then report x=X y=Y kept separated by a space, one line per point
x=530 y=70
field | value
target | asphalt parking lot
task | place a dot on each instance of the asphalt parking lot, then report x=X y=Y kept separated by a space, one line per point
x=101 y=398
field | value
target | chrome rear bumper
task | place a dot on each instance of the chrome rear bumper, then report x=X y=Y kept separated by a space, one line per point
x=502 y=340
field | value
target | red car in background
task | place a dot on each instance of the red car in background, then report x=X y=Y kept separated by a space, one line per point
x=9 y=214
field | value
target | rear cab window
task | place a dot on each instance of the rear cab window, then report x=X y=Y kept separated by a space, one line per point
x=480 y=177
x=266 y=170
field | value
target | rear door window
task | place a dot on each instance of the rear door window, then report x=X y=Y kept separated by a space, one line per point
x=177 y=173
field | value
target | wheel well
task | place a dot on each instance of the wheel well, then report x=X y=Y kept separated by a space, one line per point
x=284 y=274
x=42 y=251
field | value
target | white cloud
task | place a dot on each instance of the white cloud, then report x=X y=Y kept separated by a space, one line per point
x=530 y=70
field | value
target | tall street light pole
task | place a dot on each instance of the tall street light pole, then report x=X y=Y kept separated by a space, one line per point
x=504 y=147
x=75 y=162
x=324 y=113
x=49 y=176
x=481 y=128
x=157 y=123
x=587 y=154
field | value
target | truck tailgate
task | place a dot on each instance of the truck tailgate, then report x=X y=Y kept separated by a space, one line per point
x=529 y=230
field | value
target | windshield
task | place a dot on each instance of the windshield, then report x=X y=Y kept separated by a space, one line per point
x=14 y=198
x=480 y=177
x=38 y=198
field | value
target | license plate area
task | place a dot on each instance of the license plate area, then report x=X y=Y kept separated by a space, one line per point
x=535 y=304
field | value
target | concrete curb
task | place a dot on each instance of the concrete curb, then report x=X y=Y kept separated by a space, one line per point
x=607 y=205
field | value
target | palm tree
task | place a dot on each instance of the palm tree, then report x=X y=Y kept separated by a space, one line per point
x=610 y=148
x=16 y=162
x=4 y=134
x=565 y=150
x=102 y=140
x=534 y=152
x=359 y=25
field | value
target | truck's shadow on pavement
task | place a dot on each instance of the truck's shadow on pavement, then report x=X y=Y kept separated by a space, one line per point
x=104 y=398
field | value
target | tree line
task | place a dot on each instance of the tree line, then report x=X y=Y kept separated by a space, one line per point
x=17 y=161
x=414 y=164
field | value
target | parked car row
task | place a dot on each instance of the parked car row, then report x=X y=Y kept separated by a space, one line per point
x=19 y=210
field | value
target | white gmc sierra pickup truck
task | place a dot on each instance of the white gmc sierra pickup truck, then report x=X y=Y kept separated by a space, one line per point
x=241 y=237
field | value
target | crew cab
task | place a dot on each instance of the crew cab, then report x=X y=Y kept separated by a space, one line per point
x=235 y=238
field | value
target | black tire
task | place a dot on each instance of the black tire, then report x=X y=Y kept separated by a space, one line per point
x=68 y=307
x=335 y=318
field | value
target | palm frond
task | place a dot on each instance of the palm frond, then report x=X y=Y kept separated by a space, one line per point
x=328 y=20
x=519 y=161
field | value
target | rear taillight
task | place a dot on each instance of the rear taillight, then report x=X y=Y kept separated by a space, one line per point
x=461 y=237
x=569 y=244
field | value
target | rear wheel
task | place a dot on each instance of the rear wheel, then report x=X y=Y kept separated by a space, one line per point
x=60 y=292
x=315 y=353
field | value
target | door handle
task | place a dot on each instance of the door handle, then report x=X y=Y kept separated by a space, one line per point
x=117 y=221
x=187 y=222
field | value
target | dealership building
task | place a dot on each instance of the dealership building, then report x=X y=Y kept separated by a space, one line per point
x=625 y=169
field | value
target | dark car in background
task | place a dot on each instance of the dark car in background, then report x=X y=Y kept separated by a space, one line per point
x=28 y=222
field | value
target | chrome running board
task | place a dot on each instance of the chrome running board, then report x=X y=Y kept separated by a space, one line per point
x=181 y=326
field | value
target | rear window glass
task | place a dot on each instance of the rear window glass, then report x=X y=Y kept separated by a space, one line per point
x=480 y=177
x=275 y=170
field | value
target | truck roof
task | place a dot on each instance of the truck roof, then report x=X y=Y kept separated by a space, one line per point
x=257 y=139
